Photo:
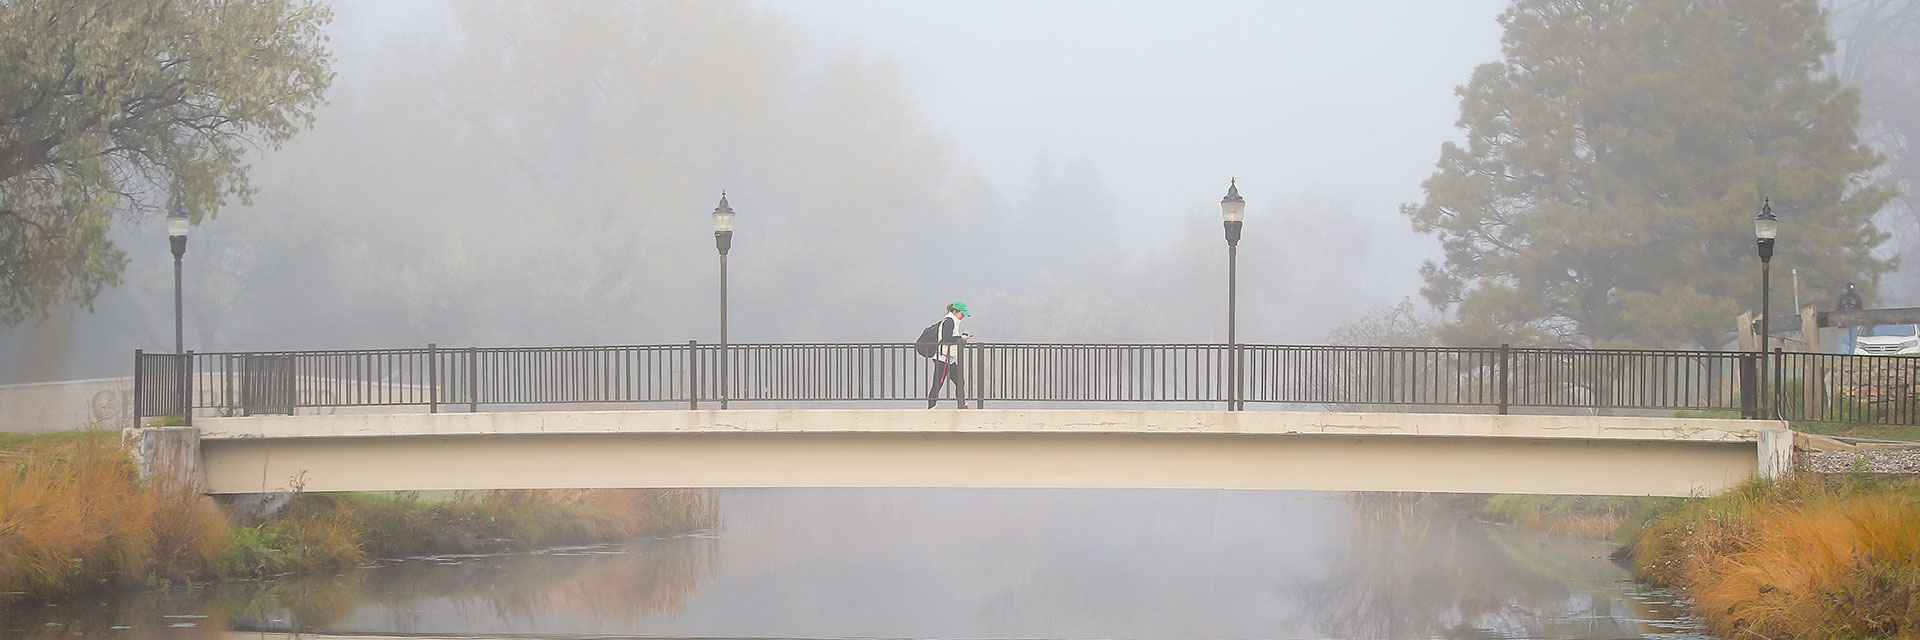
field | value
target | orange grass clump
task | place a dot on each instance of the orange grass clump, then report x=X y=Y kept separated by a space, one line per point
x=1796 y=559
x=74 y=516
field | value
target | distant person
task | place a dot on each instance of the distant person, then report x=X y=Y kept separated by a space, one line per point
x=1850 y=301
x=941 y=343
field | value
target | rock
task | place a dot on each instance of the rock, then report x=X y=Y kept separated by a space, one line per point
x=1892 y=461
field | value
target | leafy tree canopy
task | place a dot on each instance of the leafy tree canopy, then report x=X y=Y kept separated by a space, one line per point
x=1614 y=162
x=124 y=106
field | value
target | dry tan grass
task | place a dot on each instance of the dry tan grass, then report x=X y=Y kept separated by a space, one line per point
x=74 y=515
x=1796 y=560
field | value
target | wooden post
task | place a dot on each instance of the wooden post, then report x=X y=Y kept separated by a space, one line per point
x=1810 y=329
x=1743 y=329
x=1746 y=379
x=1813 y=379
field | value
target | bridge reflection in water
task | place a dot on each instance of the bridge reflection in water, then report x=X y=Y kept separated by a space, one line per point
x=1040 y=563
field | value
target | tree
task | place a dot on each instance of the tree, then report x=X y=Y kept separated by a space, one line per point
x=127 y=106
x=1613 y=164
x=1400 y=325
x=1879 y=53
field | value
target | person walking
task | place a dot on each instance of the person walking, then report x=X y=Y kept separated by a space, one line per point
x=1849 y=301
x=946 y=359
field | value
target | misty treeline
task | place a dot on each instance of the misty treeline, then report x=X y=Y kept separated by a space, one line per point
x=541 y=173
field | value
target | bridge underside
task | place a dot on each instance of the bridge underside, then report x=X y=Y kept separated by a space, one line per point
x=986 y=448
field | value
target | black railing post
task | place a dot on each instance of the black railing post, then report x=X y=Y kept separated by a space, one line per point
x=1749 y=398
x=1774 y=390
x=1504 y=365
x=970 y=368
x=1239 y=379
x=138 y=407
x=226 y=382
x=980 y=378
x=473 y=380
x=958 y=359
x=186 y=387
x=693 y=374
x=433 y=378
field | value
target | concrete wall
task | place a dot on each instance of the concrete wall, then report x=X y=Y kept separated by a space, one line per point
x=66 y=406
x=108 y=403
x=991 y=448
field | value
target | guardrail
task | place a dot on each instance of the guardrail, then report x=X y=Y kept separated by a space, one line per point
x=1809 y=387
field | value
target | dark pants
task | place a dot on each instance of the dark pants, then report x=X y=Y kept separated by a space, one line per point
x=942 y=372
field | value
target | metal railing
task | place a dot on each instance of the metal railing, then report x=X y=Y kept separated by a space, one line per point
x=1809 y=387
x=1825 y=387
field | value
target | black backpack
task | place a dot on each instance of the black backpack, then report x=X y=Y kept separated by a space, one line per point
x=929 y=342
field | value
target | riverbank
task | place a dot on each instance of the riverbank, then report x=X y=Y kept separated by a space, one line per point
x=1812 y=557
x=75 y=519
x=1819 y=556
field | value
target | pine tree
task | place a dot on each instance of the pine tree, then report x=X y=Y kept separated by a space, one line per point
x=1615 y=159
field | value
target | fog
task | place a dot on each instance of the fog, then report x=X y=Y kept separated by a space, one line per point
x=510 y=173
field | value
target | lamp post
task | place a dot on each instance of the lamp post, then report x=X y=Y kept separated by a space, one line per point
x=1232 y=211
x=177 y=224
x=1765 y=227
x=723 y=240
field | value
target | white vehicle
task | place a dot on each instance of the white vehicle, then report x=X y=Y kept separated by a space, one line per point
x=1888 y=340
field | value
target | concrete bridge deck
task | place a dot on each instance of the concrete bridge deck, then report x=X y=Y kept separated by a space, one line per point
x=1469 y=453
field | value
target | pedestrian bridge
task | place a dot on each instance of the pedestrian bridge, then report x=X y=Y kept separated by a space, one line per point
x=1322 y=418
x=1315 y=451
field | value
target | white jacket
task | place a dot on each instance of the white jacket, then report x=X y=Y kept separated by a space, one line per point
x=949 y=336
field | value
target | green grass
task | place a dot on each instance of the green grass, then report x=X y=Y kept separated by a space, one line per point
x=54 y=439
x=1614 y=518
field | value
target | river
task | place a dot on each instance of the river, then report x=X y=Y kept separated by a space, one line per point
x=962 y=563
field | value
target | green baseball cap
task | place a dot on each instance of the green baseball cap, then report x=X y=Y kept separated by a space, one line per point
x=962 y=308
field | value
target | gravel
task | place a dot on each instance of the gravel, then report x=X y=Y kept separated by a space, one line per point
x=1876 y=461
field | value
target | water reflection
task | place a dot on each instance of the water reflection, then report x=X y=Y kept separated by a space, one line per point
x=1415 y=568
x=600 y=588
x=607 y=585
x=973 y=564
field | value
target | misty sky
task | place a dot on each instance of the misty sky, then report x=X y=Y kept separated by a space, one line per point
x=1334 y=101
x=1329 y=115
x=1343 y=102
